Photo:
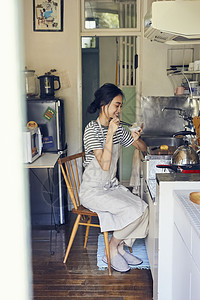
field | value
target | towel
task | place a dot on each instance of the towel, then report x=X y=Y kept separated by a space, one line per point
x=135 y=175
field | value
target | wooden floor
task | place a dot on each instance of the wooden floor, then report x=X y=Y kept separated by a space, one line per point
x=80 y=277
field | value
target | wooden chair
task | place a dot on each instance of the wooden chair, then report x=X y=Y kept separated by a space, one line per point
x=71 y=175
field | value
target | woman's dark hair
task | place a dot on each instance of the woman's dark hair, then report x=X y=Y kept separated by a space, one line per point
x=103 y=96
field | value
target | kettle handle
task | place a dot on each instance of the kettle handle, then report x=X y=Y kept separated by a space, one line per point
x=56 y=78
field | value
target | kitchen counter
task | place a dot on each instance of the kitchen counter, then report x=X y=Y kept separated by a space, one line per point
x=177 y=177
x=186 y=244
x=151 y=184
x=162 y=234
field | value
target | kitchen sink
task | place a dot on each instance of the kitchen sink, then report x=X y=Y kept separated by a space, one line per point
x=162 y=140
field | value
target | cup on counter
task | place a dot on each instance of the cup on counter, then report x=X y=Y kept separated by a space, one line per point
x=179 y=90
x=197 y=65
x=191 y=66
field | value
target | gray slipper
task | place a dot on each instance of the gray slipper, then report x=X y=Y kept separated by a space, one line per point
x=118 y=263
x=131 y=259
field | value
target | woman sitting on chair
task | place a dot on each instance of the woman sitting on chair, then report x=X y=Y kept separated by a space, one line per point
x=118 y=209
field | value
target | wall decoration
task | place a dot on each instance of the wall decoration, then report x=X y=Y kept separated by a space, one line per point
x=48 y=15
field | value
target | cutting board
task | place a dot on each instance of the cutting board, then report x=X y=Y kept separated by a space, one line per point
x=195 y=197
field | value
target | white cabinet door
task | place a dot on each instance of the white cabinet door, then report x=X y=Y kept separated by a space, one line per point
x=150 y=240
x=195 y=282
x=181 y=269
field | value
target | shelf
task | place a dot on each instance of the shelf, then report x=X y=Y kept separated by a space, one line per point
x=182 y=73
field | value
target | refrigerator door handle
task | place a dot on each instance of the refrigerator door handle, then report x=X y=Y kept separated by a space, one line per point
x=57 y=124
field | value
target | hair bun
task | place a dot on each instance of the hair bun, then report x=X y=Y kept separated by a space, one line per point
x=92 y=108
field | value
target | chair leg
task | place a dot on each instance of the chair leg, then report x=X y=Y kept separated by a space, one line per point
x=106 y=240
x=87 y=232
x=74 y=230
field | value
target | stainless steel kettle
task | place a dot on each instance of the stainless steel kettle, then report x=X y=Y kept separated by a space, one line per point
x=185 y=154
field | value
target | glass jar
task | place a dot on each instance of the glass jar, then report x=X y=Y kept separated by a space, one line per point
x=31 y=83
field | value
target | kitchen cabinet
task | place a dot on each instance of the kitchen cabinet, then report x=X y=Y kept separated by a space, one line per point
x=181 y=268
x=166 y=260
x=150 y=240
x=148 y=194
x=186 y=245
x=195 y=281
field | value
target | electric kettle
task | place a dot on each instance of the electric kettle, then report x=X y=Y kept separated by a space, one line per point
x=47 y=85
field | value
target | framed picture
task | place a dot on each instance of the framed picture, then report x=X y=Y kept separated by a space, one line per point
x=48 y=15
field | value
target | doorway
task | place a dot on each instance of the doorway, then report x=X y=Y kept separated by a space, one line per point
x=114 y=60
x=99 y=58
x=90 y=76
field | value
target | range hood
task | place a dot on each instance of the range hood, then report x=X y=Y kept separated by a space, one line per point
x=173 y=22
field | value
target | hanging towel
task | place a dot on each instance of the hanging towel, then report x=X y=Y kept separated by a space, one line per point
x=135 y=175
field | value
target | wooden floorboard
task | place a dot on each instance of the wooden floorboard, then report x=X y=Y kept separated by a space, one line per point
x=80 y=277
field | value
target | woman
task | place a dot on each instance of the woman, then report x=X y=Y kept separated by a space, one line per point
x=117 y=208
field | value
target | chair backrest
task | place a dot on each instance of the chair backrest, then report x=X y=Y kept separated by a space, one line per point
x=71 y=172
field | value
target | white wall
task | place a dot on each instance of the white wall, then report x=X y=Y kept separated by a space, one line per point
x=154 y=76
x=60 y=51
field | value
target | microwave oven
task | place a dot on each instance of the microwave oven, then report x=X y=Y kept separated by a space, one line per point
x=32 y=143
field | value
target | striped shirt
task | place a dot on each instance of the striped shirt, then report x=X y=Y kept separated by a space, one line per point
x=93 y=139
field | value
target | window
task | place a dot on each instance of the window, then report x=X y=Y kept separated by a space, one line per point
x=111 y=14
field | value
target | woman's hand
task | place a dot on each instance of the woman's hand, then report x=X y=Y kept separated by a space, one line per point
x=113 y=125
x=139 y=143
x=137 y=133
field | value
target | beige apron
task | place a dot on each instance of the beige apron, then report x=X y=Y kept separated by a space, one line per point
x=101 y=192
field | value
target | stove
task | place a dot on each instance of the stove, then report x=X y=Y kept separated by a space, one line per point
x=149 y=170
x=157 y=151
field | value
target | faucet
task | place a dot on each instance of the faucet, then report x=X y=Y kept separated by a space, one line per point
x=182 y=113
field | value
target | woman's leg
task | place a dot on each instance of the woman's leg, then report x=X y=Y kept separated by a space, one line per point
x=137 y=229
x=114 y=243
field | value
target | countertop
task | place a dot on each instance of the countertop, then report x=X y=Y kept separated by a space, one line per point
x=177 y=177
x=191 y=209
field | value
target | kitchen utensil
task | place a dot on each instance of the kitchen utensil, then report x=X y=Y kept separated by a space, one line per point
x=136 y=126
x=185 y=155
x=183 y=133
x=47 y=85
x=125 y=123
x=195 y=197
x=196 y=122
x=31 y=83
x=182 y=169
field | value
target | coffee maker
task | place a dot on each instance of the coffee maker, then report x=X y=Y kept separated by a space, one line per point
x=48 y=85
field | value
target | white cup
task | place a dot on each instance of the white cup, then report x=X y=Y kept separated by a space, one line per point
x=191 y=66
x=197 y=65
